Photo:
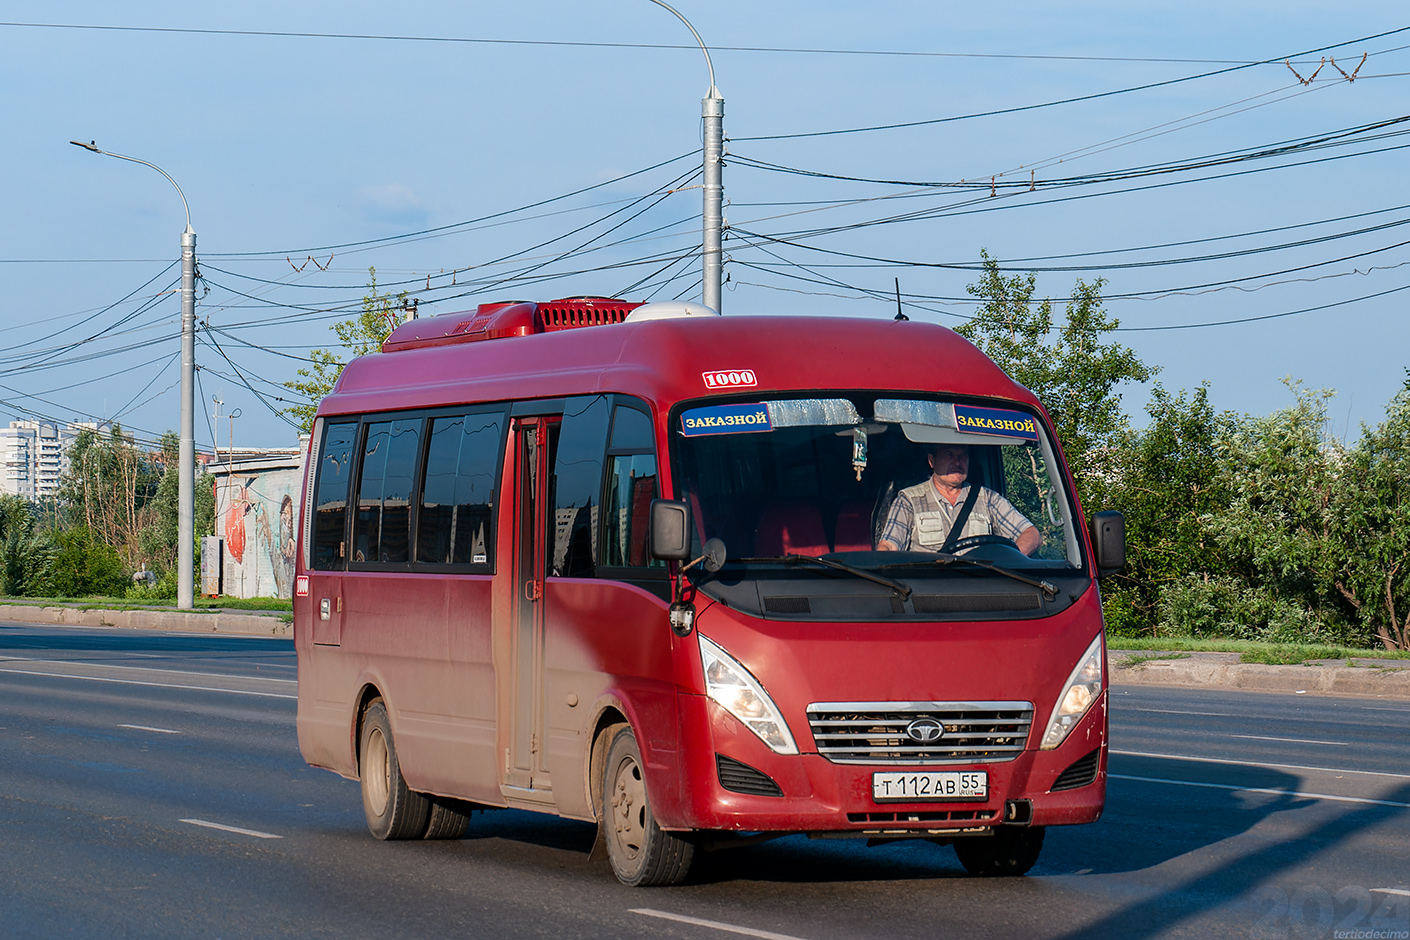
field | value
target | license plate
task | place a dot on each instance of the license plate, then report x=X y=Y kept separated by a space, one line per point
x=949 y=785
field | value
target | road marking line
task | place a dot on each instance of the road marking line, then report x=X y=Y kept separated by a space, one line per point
x=714 y=924
x=236 y=829
x=1172 y=711
x=1268 y=790
x=1397 y=891
x=146 y=728
x=158 y=685
x=1262 y=737
x=141 y=668
x=1245 y=763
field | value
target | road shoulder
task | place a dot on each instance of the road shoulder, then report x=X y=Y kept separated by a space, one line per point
x=246 y=623
x=1378 y=678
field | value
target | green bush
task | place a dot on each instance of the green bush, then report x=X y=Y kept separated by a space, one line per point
x=83 y=566
x=1220 y=606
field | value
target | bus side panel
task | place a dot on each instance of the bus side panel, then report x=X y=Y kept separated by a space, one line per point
x=429 y=638
x=325 y=698
x=606 y=638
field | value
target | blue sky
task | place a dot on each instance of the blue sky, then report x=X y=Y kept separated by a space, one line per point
x=308 y=159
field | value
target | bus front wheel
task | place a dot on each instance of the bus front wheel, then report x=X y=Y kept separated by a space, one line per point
x=1011 y=850
x=393 y=810
x=641 y=853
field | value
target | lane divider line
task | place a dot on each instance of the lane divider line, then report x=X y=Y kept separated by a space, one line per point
x=157 y=685
x=1247 y=763
x=1264 y=737
x=236 y=829
x=1396 y=891
x=713 y=924
x=1297 y=793
x=146 y=728
x=140 y=668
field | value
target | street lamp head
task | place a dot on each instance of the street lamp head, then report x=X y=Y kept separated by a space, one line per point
x=91 y=145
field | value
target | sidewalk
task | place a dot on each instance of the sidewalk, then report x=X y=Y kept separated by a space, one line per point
x=242 y=622
x=1382 y=678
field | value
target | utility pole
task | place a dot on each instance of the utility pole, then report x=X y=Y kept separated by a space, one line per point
x=712 y=113
x=186 y=472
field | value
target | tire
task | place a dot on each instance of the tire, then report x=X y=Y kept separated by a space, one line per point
x=641 y=854
x=447 y=820
x=1011 y=850
x=393 y=811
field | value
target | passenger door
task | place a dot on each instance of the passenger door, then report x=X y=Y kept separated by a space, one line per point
x=521 y=709
x=328 y=553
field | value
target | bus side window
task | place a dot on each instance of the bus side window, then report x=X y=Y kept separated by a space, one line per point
x=331 y=500
x=577 y=487
x=455 y=524
x=382 y=527
x=631 y=486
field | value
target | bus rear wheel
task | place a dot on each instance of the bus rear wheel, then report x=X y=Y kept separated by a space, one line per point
x=393 y=810
x=1011 y=850
x=641 y=853
x=447 y=820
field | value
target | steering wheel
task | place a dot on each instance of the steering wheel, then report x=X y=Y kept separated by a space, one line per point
x=974 y=541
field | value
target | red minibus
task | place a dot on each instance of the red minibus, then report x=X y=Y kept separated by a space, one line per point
x=702 y=580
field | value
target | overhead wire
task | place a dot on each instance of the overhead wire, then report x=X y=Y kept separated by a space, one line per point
x=1274 y=60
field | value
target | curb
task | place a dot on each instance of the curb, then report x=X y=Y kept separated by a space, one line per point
x=1365 y=677
x=242 y=624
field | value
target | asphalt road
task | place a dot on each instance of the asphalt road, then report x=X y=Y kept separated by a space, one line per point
x=151 y=786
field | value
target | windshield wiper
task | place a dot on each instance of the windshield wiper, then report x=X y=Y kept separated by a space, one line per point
x=901 y=589
x=944 y=560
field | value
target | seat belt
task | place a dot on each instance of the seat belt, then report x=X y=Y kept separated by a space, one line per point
x=961 y=519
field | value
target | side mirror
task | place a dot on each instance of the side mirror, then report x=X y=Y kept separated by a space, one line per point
x=1109 y=541
x=670 y=529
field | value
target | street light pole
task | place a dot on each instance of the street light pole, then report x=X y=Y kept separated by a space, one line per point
x=712 y=112
x=186 y=470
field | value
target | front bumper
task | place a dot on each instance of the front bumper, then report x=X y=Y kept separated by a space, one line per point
x=820 y=796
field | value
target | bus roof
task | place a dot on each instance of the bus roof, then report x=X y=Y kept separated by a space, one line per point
x=667 y=360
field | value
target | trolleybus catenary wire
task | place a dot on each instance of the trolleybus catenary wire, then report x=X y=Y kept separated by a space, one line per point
x=986 y=204
x=590 y=44
x=1275 y=60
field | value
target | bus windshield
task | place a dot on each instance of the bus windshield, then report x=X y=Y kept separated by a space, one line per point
x=884 y=482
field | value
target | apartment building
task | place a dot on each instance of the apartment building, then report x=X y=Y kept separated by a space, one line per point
x=34 y=455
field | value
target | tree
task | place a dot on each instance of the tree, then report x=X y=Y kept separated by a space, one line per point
x=25 y=552
x=108 y=487
x=1166 y=484
x=1272 y=559
x=360 y=335
x=1074 y=373
x=1370 y=514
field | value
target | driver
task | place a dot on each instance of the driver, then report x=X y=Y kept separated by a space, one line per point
x=922 y=515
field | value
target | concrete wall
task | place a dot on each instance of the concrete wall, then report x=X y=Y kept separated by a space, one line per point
x=256 y=514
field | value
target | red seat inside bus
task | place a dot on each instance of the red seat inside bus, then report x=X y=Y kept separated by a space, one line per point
x=790 y=527
x=853 y=532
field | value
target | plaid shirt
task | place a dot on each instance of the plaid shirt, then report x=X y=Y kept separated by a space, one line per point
x=992 y=514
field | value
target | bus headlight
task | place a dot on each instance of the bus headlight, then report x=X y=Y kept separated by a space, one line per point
x=1082 y=689
x=740 y=694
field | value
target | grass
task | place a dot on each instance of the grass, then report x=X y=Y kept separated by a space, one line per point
x=1253 y=651
x=201 y=604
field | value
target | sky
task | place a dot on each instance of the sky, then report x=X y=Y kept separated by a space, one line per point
x=1192 y=155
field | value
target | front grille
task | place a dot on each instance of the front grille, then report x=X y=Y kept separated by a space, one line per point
x=876 y=732
x=1082 y=772
x=741 y=778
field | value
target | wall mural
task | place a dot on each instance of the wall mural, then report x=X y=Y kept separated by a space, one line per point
x=256 y=515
